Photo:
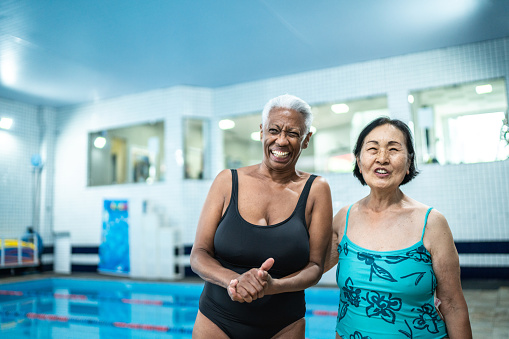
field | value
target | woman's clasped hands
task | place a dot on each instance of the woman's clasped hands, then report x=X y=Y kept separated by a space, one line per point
x=251 y=285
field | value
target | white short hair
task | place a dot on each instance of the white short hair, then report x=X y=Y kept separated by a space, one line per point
x=290 y=102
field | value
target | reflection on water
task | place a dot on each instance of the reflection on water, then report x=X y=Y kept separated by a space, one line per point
x=89 y=309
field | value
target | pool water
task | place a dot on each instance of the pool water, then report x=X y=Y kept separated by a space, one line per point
x=85 y=308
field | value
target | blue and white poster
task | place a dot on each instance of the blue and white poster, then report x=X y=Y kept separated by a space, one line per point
x=114 y=248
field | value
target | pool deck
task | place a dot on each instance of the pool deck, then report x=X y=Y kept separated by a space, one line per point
x=488 y=300
x=489 y=310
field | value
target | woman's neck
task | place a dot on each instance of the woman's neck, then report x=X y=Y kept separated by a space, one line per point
x=282 y=177
x=379 y=200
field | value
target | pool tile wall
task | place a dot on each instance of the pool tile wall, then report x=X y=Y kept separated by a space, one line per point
x=474 y=198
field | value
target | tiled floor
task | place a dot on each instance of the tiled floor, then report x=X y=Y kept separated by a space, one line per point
x=488 y=303
x=489 y=312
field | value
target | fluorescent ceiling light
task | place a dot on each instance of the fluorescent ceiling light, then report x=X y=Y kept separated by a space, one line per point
x=255 y=136
x=226 y=124
x=411 y=99
x=100 y=142
x=8 y=69
x=5 y=123
x=340 y=108
x=483 y=89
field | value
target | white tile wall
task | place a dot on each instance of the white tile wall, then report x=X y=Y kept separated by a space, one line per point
x=474 y=198
x=78 y=207
x=32 y=133
x=485 y=260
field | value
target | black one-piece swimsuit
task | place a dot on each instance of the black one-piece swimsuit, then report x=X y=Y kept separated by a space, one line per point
x=240 y=246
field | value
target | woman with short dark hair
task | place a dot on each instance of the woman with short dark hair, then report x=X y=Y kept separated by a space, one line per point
x=393 y=252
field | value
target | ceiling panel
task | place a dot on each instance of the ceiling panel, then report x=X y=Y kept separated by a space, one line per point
x=64 y=52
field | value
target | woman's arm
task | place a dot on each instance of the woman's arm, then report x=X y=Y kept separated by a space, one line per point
x=438 y=239
x=202 y=258
x=338 y=227
x=320 y=232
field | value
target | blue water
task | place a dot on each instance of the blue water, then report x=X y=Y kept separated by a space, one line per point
x=77 y=308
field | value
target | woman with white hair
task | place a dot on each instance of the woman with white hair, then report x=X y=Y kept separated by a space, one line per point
x=262 y=235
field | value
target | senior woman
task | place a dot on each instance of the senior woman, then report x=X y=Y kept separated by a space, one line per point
x=393 y=252
x=262 y=236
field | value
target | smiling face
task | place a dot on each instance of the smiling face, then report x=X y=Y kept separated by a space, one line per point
x=283 y=138
x=384 y=160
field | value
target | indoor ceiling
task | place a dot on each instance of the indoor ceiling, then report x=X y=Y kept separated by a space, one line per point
x=63 y=52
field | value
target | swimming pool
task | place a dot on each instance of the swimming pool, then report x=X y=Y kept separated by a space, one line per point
x=87 y=308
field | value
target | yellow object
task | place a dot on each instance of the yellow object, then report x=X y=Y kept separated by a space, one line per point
x=13 y=243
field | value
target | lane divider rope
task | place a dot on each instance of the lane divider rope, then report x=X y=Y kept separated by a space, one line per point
x=96 y=298
x=91 y=321
x=152 y=302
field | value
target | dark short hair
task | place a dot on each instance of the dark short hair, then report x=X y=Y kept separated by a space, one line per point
x=409 y=145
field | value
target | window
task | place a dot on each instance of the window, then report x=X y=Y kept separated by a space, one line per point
x=338 y=125
x=241 y=140
x=476 y=138
x=133 y=154
x=194 y=148
x=462 y=123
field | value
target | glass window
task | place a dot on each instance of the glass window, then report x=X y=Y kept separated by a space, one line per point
x=133 y=154
x=241 y=140
x=194 y=148
x=463 y=123
x=336 y=126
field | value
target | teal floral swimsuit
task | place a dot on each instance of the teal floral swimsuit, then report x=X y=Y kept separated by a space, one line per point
x=386 y=294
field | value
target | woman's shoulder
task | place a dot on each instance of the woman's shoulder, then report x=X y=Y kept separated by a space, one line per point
x=339 y=221
x=319 y=180
x=341 y=214
x=343 y=211
x=434 y=216
x=417 y=210
x=436 y=220
x=320 y=186
x=225 y=174
x=222 y=181
x=412 y=204
x=437 y=234
x=251 y=171
x=436 y=225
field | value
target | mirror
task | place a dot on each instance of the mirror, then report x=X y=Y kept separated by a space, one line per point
x=132 y=154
